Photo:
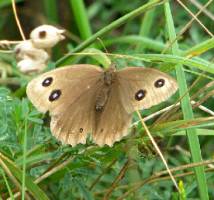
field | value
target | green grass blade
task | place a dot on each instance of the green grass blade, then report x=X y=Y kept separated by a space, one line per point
x=200 y=131
x=50 y=7
x=51 y=12
x=81 y=18
x=24 y=159
x=200 y=48
x=7 y=185
x=187 y=109
x=146 y=42
x=110 y=27
x=30 y=185
x=146 y=26
x=196 y=63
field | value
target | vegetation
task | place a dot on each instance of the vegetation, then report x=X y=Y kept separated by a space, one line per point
x=174 y=36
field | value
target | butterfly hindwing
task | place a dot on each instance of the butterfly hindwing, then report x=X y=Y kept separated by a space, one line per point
x=113 y=122
x=141 y=88
x=73 y=124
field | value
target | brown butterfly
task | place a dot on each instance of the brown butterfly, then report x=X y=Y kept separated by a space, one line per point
x=84 y=99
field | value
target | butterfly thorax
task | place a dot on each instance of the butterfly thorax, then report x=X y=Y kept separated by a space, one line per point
x=104 y=91
x=109 y=76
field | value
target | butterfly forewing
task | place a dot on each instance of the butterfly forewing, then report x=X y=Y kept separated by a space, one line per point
x=141 y=88
x=55 y=90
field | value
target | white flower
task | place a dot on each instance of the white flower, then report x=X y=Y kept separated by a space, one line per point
x=46 y=36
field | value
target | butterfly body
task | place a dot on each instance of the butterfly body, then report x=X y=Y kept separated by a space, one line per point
x=102 y=95
x=84 y=99
x=102 y=98
x=109 y=75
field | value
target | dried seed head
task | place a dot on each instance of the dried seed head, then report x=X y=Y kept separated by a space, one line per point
x=30 y=59
x=46 y=36
x=26 y=50
x=21 y=49
x=28 y=66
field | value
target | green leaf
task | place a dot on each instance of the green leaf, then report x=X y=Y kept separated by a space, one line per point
x=83 y=189
x=30 y=185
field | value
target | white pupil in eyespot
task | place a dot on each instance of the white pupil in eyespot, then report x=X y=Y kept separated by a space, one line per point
x=140 y=94
x=54 y=95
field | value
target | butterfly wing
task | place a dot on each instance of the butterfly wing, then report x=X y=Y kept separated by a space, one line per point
x=141 y=88
x=55 y=90
x=68 y=94
x=112 y=123
x=72 y=125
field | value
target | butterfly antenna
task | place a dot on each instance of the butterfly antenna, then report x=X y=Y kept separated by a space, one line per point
x=102 y=44
x=17 y=20
x=113 y=65
x=158 y=150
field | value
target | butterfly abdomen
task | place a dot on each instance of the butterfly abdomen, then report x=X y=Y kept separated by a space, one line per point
x=103 y=94
x=102 y=98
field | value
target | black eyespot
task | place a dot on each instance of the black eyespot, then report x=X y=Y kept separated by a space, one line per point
x=159 y=83
x=81 y=130
x=47 y=81
x=140 y=94
x=55 y=94
x=101 y=130
x=42 y=34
